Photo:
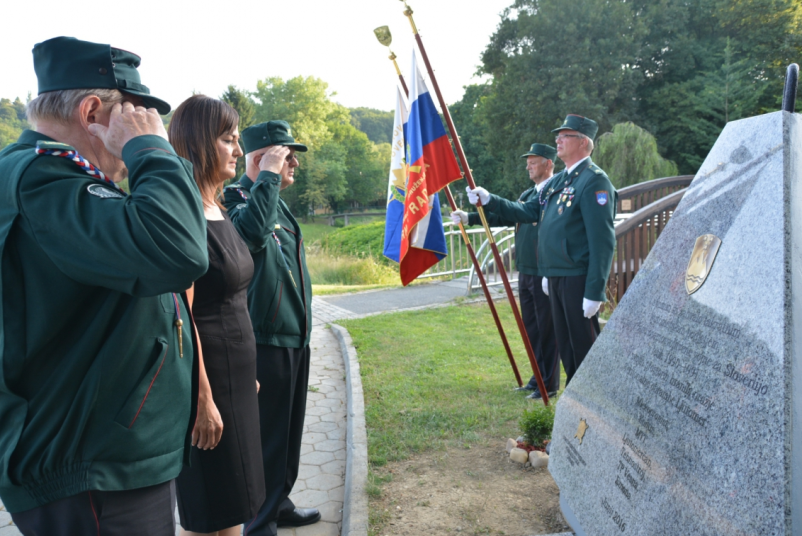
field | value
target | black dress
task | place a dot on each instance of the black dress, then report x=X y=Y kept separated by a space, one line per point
x=225 y=486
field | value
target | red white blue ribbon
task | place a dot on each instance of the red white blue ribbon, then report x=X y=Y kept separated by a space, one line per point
x=83 y=163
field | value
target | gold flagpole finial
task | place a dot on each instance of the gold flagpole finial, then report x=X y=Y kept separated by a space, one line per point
x=408 y=12
x=386 y=38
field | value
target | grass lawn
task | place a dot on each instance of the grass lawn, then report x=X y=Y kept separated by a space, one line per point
x=314 y=232
x=438 y=378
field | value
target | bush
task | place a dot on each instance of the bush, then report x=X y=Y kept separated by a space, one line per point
x=536 y=424
x=326 y=269
x=359 y=241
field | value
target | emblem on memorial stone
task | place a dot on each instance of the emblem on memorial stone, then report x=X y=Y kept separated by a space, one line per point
x=704 y=253
x=581 y=429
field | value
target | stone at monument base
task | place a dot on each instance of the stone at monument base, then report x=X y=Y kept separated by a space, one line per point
x=685 y=416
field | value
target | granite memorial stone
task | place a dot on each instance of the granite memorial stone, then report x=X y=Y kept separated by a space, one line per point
x=686 y=416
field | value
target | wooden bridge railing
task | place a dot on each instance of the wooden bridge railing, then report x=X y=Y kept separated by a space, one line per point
x=635 y=197
x=635 y=237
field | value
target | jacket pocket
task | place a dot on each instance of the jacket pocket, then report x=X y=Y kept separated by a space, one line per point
x=129 y=413
x=564 y=251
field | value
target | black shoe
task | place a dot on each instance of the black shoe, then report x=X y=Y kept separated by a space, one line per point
x=527 y=387
x=536 y=395
x=298 y=517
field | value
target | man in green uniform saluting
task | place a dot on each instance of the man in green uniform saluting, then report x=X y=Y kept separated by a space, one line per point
x=96 y=362
x=576 y=238
x=280 y=305
x=535 y=306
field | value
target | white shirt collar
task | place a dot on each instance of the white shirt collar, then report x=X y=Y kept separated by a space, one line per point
x=542 y=184
x=570 y=169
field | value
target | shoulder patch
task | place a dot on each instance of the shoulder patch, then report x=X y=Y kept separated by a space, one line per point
x=601 y=197
x=53 y=146
x=103 y=192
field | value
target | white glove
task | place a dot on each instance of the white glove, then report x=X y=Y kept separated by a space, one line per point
x=479 y=194
x=544 y=284
x=590 y=307
x=459 y=216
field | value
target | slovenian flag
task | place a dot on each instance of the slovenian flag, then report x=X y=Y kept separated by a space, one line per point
x=430 y=166
x=397 y=185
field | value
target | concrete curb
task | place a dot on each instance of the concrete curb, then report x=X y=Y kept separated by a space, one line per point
x=355 y=501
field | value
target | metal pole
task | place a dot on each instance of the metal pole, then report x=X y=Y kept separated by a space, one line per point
x=469 y=177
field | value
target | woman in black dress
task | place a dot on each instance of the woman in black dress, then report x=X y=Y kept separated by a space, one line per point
x=224 y=486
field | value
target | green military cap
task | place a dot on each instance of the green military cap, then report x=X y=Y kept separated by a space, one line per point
x=69 y=63
x=586 y=126
x=541 y=149
x=262 y=135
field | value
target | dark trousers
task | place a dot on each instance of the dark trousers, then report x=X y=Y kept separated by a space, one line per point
x=137 y=512
x=575 y=333
x=536 y=314
x=283 y=374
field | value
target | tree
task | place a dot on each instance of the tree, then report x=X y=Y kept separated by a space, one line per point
x=378 y=125
x=12 y=121
x=628 y=154
x=242 y=103
x=342 y=165
x=680 y=69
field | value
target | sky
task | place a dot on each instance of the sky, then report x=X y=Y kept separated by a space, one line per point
x=204 y=46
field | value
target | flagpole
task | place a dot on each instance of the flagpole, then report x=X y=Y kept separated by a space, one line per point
x=475 y=262
x=469 y=177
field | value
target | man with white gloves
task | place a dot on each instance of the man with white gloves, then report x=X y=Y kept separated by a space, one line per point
x=535 y=306
x=577 y=238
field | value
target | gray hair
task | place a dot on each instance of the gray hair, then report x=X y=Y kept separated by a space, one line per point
x=590 y=143
x=58 y=106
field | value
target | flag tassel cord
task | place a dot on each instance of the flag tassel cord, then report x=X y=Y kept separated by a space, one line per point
x=469 y=177
x=475 y=262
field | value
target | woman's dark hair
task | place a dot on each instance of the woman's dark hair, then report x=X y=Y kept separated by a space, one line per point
x=193 y=132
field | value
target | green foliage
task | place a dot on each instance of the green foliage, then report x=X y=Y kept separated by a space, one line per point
x=343 y=167
x=242 y=103
x=376 y=124
x=357 y=240
x=536 y=424
x=629 y=155
x=679 y=69
x=325 y=269
x=12 y=121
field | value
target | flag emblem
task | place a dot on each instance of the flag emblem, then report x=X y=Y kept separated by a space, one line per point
x=601 y=197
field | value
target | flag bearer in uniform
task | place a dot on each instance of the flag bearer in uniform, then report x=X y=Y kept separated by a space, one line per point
x=535 y=306
x=280 y=304
x=577 y=238
x=97 y=387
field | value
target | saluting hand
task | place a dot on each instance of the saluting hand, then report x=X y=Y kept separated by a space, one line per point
x=273 y=159
x=126 y=122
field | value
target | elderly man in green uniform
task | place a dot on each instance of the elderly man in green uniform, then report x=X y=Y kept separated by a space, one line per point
x=577 y=238
x=535 y=306
x=280 y=304
x=96 y=360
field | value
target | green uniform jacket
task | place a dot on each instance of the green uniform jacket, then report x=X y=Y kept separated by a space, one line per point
x=525 y=234
x=577 y=225
x=93 y=393
x=280 y=294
